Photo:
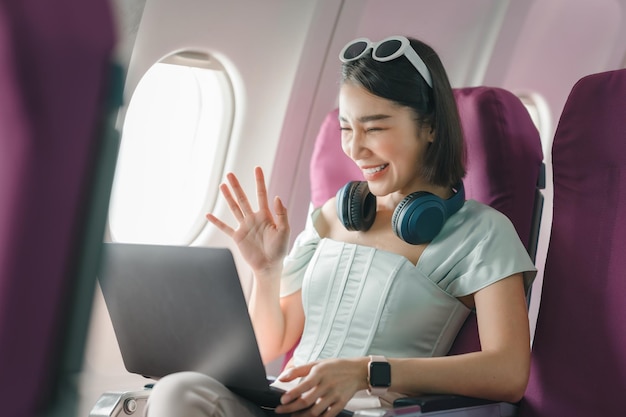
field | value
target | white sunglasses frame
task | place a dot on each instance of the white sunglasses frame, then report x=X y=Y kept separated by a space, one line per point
x=405 y=49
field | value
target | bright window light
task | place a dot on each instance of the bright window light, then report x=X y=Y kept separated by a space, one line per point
x=173 y=142
x=540 y=114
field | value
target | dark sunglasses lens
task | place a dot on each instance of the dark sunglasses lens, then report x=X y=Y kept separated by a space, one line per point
x=388 y=48
x=355 y=50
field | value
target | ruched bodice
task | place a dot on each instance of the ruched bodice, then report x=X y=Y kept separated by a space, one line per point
x=360 y=300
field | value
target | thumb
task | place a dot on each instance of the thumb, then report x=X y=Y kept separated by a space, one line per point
x=282 y=221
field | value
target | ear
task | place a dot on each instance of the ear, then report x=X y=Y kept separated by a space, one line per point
x=430 y=133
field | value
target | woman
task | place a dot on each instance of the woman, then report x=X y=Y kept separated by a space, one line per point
x=378 y=285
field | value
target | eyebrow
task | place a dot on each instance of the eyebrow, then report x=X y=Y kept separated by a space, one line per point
x=368 y=118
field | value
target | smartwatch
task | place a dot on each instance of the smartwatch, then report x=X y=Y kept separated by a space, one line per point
x=378 y=375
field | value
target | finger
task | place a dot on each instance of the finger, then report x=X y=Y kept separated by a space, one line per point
x=303 y=389
x=242 y=198
x=301 y=402
x=220 y=224
x=297 y=392
x=333 y=410
x=292 y=407
x=232 y=204
x=261 y=189
x=282 y=221
x=319 y=403
x=295 y=372
x=327 y=404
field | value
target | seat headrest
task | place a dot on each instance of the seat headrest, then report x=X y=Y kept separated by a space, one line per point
x=330 y=167
x=504 y=153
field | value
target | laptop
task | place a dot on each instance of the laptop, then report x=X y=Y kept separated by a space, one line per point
x=183 y=309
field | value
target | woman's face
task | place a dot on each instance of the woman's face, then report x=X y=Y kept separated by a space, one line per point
x=384 y=140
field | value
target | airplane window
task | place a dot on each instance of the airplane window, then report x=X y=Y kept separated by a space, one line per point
x=173 y=143
x=540 y=114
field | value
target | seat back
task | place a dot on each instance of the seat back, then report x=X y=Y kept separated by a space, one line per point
x=579 y=351
x=55 y=68
x=504 y=166
x=504 y=170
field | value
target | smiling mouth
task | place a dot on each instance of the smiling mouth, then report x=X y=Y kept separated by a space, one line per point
x=374 y=170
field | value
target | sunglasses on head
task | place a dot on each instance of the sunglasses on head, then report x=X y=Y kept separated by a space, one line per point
x=386 y=50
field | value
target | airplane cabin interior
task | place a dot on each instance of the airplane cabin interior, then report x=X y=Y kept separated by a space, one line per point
x=119 y=119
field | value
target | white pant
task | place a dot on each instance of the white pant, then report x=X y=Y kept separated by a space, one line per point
x=191 y=394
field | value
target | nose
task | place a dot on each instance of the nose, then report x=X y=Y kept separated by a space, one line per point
x=353 y=144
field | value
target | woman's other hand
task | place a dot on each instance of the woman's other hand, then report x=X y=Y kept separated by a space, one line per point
x=325 y=388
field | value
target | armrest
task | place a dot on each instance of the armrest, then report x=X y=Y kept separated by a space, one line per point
x=435 y=403
x=438 y=402
x=121 y=404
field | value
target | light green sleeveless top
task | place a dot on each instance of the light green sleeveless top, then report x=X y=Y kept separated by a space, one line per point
x=359 y=300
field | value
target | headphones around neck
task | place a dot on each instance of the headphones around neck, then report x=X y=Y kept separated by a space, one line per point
x=417 y=219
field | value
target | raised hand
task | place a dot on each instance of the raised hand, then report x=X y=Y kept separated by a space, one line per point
x=261 y=237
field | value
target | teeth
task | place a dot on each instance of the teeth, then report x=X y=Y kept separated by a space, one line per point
x=375 y=169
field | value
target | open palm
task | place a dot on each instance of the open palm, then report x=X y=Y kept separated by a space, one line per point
x=262 y=238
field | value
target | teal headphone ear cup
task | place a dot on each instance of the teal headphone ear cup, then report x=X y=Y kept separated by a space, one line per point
x=420 y=216
x=356 y=206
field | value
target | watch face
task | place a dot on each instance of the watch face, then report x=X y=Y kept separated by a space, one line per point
x=380 y=374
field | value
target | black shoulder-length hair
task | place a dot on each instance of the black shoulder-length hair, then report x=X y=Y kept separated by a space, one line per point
x=398 y=81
